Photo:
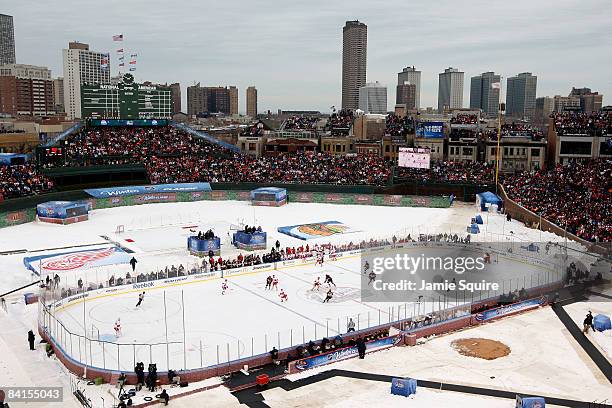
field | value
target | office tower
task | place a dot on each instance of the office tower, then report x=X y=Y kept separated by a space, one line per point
x=82 y=66
x=233 y=94
x=373 y=98
x=406 y=95
x=251 y=101
x=7 y=40
x=521 y=96
x=589 y=101
x=58 y=94
x=214 y=99
x=411 y=76
x=176 y=97
x=26 y=90
x=354 y=61
x=450 y=89
x=484 y=94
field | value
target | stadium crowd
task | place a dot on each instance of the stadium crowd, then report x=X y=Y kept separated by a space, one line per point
x=396 y=126
x=464 y=119
x=307 y=168
x=575 y=196
x=301 y=123
x=22 y=180
x=450 y=172
x=592 y=124
x=339 y=123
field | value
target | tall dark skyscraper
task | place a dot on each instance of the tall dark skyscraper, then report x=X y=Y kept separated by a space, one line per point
x=354 y=61
x=483 y=95
x=521 y=96
x=7 y=40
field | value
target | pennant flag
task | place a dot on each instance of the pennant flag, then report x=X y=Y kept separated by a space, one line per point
x=496 y=85
x=134 y=55
x=120 y=50
x=121 y=58
x=132 y=69
x=132 y=62
x=118 y=37
x=122 y=65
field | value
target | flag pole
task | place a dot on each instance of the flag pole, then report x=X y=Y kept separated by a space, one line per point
x=499 y=119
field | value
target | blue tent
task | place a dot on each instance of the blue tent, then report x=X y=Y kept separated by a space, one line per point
x=482 y=199
x=602 y=322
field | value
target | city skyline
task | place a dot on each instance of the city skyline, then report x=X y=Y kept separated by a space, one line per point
x=528 y=38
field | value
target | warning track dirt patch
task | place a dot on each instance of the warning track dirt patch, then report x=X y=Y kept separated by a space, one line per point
x=481 y=348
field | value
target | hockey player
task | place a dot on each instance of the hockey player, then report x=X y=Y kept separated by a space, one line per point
x=224 y=287
x=328 y=297
x=117 y=328
x=283 y=296
x=317 y=284
x=140 y=299
x=268 y=282
x=366 y=267
x=333 y=255
x=274 y=282
x=328 y=280
x=372 y=277
x=320 y=258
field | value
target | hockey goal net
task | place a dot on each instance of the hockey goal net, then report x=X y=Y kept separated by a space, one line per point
x=119 y=229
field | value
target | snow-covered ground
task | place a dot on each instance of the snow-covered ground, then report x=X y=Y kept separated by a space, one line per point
x=159 y=231
x=544 y=360
x=597 y=305
x=249 y=319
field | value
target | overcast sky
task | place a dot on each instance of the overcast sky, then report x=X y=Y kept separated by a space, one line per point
x=292 y=51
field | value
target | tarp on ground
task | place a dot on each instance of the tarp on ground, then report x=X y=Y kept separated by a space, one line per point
x=602 y=322
x=487 y=198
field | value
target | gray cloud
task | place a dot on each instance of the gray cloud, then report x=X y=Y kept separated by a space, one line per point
x=292 y=50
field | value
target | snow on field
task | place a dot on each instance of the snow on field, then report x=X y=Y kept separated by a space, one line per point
x=159 y=231
x=578 y=311
x=544 y=360
x=342 y=392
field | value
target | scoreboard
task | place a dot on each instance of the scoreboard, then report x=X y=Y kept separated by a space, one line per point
x=126 y=100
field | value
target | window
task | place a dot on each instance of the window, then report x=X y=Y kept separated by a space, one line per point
x=467 y=151
x=535 y=152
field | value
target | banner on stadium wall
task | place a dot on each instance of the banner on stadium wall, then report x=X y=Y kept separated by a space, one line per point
x=67 y=261
x=513 y=308
x=430 y=130
x=157 y=188
x=345 y=353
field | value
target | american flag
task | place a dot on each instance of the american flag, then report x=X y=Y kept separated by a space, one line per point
x=118 y=37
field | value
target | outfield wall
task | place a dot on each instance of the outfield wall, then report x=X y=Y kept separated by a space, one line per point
x=9 y=218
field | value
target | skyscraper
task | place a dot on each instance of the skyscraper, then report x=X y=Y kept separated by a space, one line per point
x=521 y=96
x=483 y=95
x=82 y=66
x=589 y=101
x=411 y=76
x=450 y=89
x=373 y=98
x=406 y=95
x=58 y=94
x=251 y=101
x=7 y=40
x=176 y=97
x=26 y=90
x=233 y=94
x=208 y=99
x=354 y=61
